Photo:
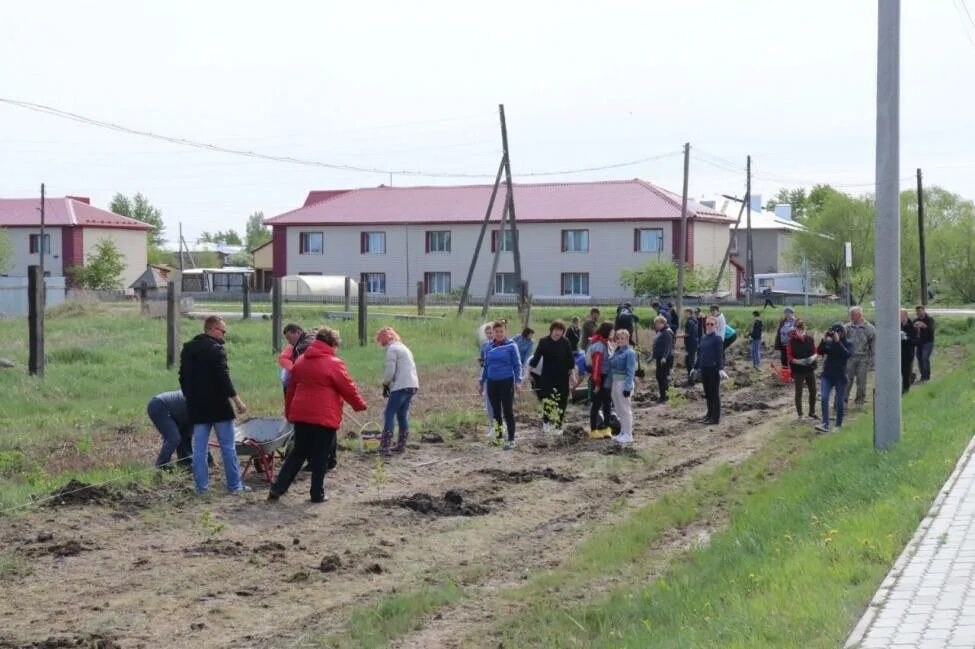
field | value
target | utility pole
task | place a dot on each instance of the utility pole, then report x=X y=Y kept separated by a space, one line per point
x=887 y=256
x=515 y=250
x=41 y=244
x=180 y=246
x=505 y=216
x=749 y=256
x=480 y=240
x=920 y=239
x=731 y=239
x=682 y=246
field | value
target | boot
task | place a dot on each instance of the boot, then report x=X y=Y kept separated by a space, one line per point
x=401 y=441
x=387 y=437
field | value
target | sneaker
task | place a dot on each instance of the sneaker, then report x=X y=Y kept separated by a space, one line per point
x=242 y=490
x=822 y=428
x=623 y=439
x=508 y=446
x=323 y=499
x=812 y=416
x=546 y=427
x=799 y=418
x=601 y=433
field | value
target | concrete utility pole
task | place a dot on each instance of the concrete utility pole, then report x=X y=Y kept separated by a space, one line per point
x=682 y=247
x=920 y=239
x=887 y=254
x=749 y=255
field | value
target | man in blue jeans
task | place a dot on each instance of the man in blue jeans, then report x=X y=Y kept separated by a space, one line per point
x=205 y=381
x=836 y=351
x=168 y=414
x=924 y=325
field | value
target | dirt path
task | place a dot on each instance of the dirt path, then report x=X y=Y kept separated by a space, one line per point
x=165 y=569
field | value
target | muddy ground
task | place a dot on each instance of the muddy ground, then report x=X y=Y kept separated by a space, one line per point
x=157 y=567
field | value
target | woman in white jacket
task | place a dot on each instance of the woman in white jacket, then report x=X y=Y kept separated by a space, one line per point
x=400 y=383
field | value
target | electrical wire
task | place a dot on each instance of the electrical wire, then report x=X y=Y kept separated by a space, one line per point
x=966 y=16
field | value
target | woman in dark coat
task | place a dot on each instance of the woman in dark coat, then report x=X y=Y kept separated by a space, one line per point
x=554 y=352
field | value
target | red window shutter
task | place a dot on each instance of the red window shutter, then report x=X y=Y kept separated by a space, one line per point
x=562 y=235
x=32 y=244
x=636 y=240
x=363 y=238
x=562 y=281
x=426 y=241
x=494 y=240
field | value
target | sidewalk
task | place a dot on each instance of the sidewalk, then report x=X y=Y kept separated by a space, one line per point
x=927 y=600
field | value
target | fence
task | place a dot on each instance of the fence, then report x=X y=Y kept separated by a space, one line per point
x=13 y=294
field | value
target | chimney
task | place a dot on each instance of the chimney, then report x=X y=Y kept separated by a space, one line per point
x=80 y=199
x=783 y=211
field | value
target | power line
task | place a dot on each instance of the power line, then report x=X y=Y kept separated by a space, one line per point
x=966 y=16
x=63 y=114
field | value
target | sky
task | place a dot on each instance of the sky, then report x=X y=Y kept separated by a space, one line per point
x=397 y=86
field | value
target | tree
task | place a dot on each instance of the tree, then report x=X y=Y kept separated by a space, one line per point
x=6 y=250
x=140 y=209
x=833 y=219
x=659 y=278
x=257 y=232
x=230 y=237
x=103 y=269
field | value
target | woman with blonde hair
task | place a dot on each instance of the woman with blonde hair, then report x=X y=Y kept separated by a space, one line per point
x=400 y=383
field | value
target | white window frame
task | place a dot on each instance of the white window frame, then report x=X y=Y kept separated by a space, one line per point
x=379 y=278
x=573 y=237
x=305 y=238
x=499 y=284
x=440 y=237
x=571 y=279
x=428 y=282
x=380 y=237
x=658 y=239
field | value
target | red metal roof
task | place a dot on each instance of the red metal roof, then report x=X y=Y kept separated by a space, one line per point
x=319 y=195
x=58 y=212
x=587 y=201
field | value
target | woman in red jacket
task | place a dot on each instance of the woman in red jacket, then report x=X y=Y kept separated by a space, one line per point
x=319 y=384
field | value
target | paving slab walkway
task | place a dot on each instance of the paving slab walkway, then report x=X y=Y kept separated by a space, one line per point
x=927 y=600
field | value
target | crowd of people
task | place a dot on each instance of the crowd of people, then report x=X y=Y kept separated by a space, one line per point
x=603 y=354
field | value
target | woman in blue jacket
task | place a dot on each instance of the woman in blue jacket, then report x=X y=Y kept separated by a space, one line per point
x=500 y=377
x=836 y=350
x=622 y=369
x=710 y=366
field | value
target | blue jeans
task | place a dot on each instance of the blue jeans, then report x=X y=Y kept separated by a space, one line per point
x=839 y=385
x=924 y=360
x=398 y=407
x=228 y=452
x=173 y=439
x=756 y=352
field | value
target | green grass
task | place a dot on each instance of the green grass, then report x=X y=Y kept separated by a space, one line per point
x=376 y=625
x=795 y=567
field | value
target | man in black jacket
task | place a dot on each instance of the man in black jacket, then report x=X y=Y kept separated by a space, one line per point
x=925 y=342
x=205 y=380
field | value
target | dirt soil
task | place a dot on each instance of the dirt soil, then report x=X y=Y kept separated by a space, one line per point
x=124 y=568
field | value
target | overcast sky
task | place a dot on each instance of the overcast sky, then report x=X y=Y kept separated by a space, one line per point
x=415 y=86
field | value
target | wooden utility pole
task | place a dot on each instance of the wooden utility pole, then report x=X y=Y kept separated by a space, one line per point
x=749 y=254
x=180 y=244
x=421 y=299
x=920 y=239
x=348 y=293
x=175 y=281
x=35 y=320
x=731 y=240
x=363 y=315
x=247 y=299
x=480 y=240
x=276 y=298
x=497 y=254
x=682 y=244
x=506 y=158
x=41 y=244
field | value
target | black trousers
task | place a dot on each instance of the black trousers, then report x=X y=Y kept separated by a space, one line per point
x=907 y=366
x=805 y=380
x=728 y=341
x=712 y=392
x=768 y=303
x=315 y=444
x=602 y=402
x=501 y=394
x=663 y=377
x=554 y=389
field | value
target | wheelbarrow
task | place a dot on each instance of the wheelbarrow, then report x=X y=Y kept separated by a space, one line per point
x=258 y=440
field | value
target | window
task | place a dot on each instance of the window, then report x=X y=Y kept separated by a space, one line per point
x=505 y=284
x=575 y=240
x=438 y=241
x=507 y=243
x=436 y=282
x=648 y=240
x=311 y=243
x=575 y=283
x=372 y=243
x=375 y=283
x=35 y=241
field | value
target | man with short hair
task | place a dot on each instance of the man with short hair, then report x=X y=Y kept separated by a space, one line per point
x=862 y=336
x=924 y=324
x=205 y=381
x=298 y=341
x=589 y=327
x=786 y=326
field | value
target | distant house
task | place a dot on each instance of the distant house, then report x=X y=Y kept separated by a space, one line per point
x=772 y=235
x=574 y=238
x=263 y=265
x=72 y=230
x=155 y=278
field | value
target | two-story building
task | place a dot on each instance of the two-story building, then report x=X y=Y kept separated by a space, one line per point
x=73 y=227
x=574 y=238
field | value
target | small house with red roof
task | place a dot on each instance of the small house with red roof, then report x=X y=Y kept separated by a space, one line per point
x=574 y=238
x=73 y=227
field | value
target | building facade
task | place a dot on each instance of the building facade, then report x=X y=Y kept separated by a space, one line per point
x=574 y=239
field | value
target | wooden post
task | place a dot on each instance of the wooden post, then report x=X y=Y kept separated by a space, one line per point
x=348 y=293
x=527 y=301
x=363 y=328
x=143 y=295
x=421 y=299
x=173 y=316
x=247 y=299
x=276 y=298
x=522 y=296
x=35 y=320
x=682 y=242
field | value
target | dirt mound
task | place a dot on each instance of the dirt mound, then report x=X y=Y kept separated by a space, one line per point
x=330 y=563
x=82 y=493
x=527 y=475
x=64 y=642
x=745 y=406
x=219 y=547
x=271 y=550
x=45 y=545
x=451 y=504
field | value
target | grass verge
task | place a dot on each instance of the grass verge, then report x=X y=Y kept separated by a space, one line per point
x=795 y=567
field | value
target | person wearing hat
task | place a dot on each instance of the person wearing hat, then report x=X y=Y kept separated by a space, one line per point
x=786 y=325
x=836 y=351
